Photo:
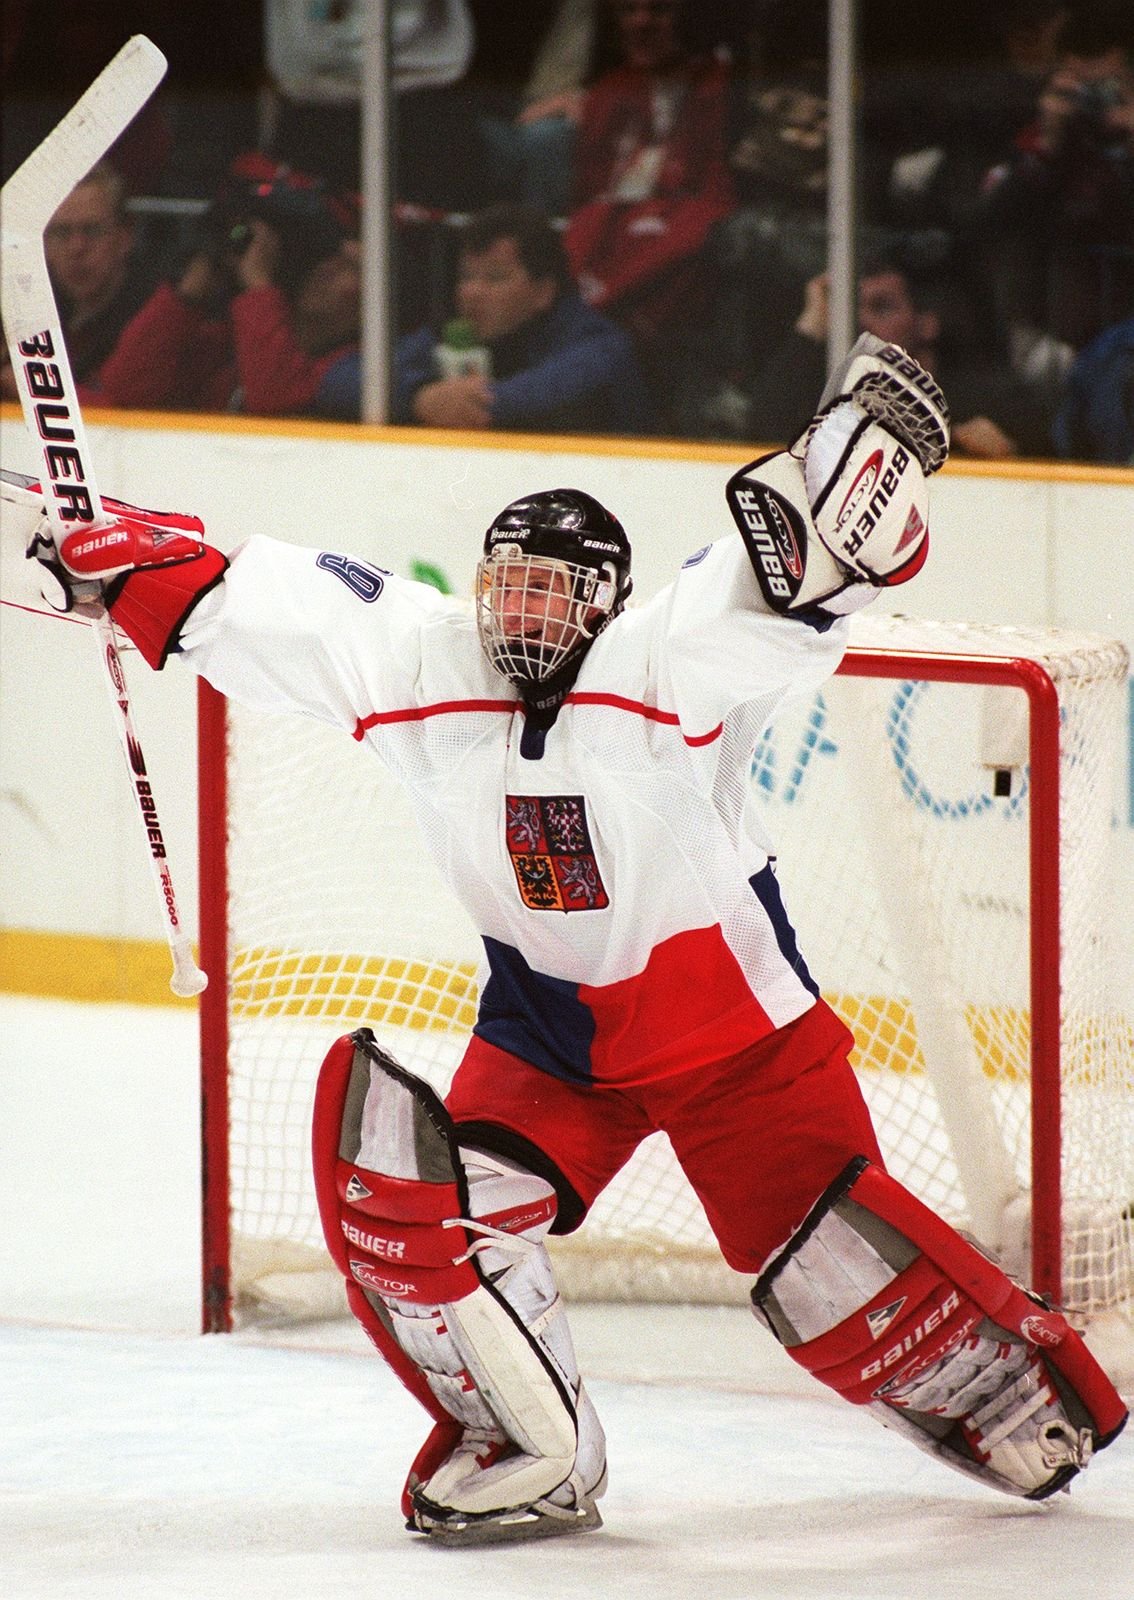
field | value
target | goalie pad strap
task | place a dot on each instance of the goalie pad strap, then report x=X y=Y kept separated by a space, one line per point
x=151 y=605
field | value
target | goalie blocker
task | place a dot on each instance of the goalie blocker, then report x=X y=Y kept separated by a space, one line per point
x=890 y=1307
x=147 y=568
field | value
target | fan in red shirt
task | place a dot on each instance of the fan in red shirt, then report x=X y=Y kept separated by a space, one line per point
x=651 y=177
x=264 y=309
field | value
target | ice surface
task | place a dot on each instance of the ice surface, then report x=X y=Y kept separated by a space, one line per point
x=140 y=1460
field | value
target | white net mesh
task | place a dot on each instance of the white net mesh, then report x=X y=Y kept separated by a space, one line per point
x=906 y=875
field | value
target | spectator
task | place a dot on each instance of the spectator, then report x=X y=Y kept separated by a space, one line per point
x=486 y=94
x=313 y=56
x=531 y=142
x=651 y=174
x=554 y=364
x=1058 y=223
x=1095 y=420
x=776 y=239
x=994 y=415
x=941 y=107
x=98 y=277
x=260 y=316
x=536 y=59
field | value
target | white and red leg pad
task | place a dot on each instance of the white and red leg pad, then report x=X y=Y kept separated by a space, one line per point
x=888 y=1305
x=442 y=1251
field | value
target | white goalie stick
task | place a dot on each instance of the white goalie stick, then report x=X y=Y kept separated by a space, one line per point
x=50 y=401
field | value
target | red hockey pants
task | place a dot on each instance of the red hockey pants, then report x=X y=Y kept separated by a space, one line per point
x=759 y=1135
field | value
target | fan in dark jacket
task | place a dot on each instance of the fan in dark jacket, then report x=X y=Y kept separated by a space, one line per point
x=535 y=356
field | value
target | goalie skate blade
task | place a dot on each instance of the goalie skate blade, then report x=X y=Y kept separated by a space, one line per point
x=510 y=1527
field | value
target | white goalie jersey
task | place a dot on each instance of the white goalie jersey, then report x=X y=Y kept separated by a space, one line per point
x=597 y=968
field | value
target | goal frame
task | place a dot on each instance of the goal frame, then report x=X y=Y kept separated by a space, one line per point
x=1020 y=673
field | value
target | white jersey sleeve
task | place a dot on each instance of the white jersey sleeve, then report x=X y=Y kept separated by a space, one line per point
x=722 y=656
x=327 y=635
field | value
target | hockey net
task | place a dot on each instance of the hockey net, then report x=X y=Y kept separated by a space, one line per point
x=943 y=813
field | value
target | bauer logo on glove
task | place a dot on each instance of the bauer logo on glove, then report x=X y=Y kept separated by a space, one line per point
x=868 y=496
x=845 y=511
x=775 y=534
x=148 y=568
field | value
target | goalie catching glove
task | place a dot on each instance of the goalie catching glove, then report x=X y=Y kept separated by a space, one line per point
x=147 y=568
x=845 y=511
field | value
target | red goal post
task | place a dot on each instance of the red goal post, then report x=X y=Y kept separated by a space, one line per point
x=1044 y=943
x=943 y=816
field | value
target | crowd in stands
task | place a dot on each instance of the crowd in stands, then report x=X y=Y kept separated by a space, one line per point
x=611 y=215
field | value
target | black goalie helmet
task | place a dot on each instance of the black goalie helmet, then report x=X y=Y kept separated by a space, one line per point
x=555 y=571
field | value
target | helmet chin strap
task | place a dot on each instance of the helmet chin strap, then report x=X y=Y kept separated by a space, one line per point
x=544 y=697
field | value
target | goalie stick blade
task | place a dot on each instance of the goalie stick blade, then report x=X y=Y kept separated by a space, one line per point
x=101 y=113
x=37 y=188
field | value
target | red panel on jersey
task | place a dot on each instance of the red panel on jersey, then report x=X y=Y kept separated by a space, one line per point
x=638 y=1033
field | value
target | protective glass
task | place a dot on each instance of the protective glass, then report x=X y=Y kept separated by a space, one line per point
x=535 y=613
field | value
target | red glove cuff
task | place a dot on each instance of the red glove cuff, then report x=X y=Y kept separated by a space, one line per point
x=151 y=605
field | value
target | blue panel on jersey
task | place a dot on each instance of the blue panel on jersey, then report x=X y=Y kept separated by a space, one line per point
x=540 y=1019
x=766 y=888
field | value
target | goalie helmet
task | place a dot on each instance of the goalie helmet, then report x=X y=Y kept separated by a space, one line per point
x=555 y=572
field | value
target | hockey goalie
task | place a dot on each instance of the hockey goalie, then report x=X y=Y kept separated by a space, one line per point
x=579 y=769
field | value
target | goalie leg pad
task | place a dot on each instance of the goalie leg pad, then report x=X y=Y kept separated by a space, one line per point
x=884 y=1302
x=442 y=1249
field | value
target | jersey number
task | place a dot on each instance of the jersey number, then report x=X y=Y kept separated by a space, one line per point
x=360 y=578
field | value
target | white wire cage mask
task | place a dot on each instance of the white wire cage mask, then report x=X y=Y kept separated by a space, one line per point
x=534 y=613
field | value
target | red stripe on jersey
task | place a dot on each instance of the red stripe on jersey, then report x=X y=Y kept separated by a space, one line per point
x=443 y=708
x=638 y=708
x=690 y=1005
